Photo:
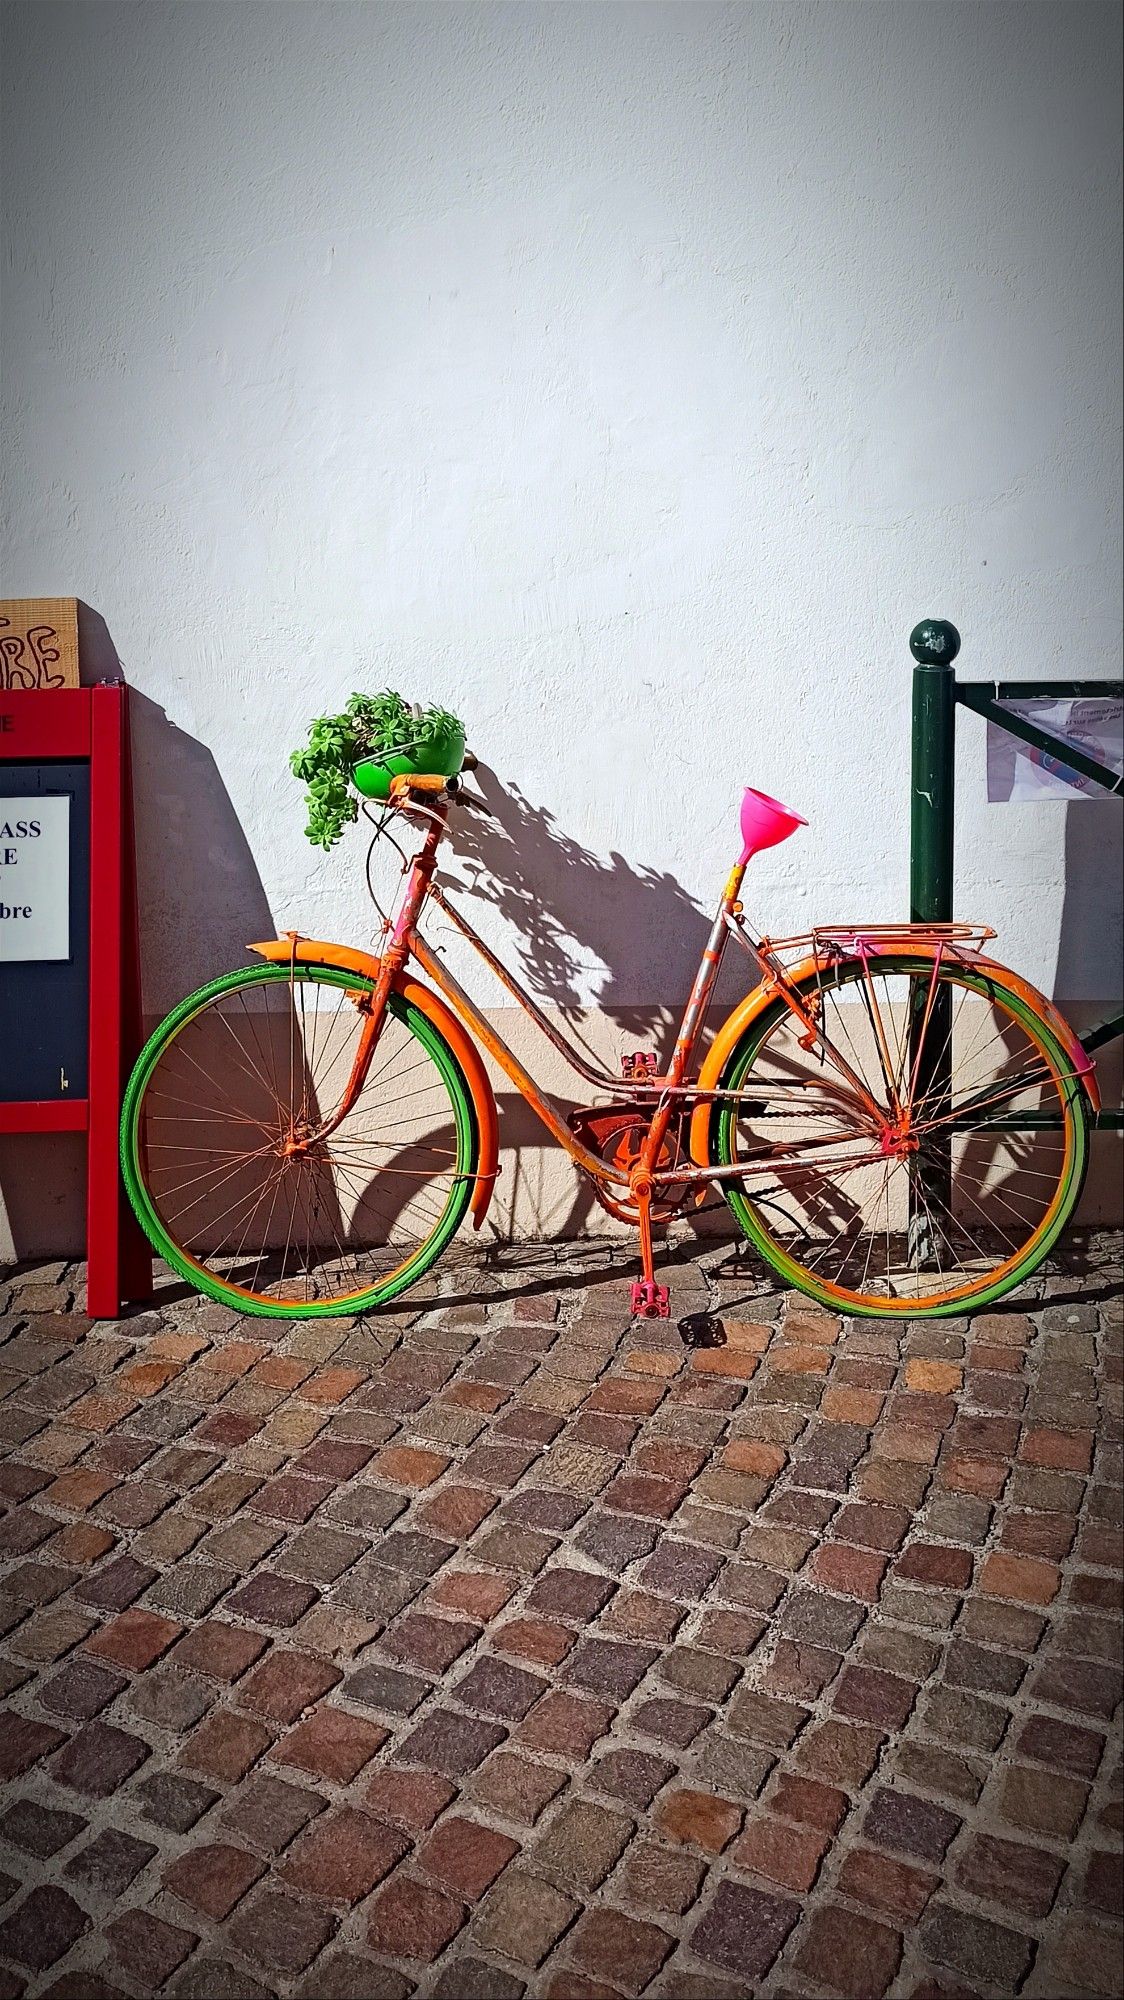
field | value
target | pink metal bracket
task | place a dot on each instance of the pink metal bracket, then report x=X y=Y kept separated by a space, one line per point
x=650 y=1299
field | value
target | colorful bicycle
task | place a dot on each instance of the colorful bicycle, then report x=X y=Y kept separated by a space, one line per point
x=899 y=1125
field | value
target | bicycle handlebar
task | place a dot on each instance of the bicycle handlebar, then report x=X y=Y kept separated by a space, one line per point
x=432 y=785
x=416 y=781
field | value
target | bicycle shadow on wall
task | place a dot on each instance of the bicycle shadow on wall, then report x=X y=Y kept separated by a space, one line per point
x=564 y=903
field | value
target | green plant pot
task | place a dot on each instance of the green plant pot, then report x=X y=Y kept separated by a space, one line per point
x=444 y=756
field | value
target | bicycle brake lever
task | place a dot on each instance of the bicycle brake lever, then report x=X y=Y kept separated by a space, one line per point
x=474 y=800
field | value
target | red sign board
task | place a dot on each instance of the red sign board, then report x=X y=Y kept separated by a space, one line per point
x=71 y=745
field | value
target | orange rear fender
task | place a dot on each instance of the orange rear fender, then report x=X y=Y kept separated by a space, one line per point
x=313 y=951
x=755 y=1003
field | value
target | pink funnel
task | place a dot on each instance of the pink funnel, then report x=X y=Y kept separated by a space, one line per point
x=765 y=822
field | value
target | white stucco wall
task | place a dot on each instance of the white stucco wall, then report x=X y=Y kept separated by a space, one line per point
x=628 y=377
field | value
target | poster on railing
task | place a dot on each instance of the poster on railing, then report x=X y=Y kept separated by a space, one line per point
x=1019 y=771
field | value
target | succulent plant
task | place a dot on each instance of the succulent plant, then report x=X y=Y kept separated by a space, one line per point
x=372 y=725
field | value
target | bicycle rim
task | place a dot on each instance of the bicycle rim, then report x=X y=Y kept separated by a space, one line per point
x=882 y=1234
x=341 y=1227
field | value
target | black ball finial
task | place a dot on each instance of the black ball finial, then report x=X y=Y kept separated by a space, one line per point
x=934 y=643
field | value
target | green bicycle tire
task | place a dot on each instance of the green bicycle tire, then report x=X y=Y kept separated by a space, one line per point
x=208 y=1282
x=793 y=1273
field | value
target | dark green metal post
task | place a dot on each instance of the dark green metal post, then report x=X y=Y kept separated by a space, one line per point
x=934 y=645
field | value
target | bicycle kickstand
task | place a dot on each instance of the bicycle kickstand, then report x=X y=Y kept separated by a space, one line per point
x=648 y=1298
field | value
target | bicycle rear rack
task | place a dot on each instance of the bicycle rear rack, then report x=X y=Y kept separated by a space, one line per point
x=863 y=940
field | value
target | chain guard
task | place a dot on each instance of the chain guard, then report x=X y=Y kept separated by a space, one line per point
x=616 y=1132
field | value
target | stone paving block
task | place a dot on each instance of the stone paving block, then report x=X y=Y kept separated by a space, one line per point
x=884 y=1883
x=1042 y=1801
x=219 y=1649
x=566 y=1725
x=1010 y=1874
x=172 y=1700
x=224 y=1746
x=911 y=1825
x=342 y=1856
x=41 y=1928
x=807 y=1801
x=331 y=1744
x=277 y=1932
x=975 y=1946
x=535 y=1639
x=110 y=1862
x=343 y=1975
x=384 y=1688
x=98 y=1760
x=451 y=1744
x=743 y=1929
x=850 y=1954
x=464 y=1857
x=583 y=1845
x=839 y=1753
x=269 y=1812
x=626 y=1949
x=413 y=1921
x=38 y=1830
x=699 y=1818
x=522 y=1918
x=204 y=1977
x=147 y=1948
x=81 y=1689
x=517 y=1788
x=286 y=1683
x=658 y=1878
x=212 y=1878
x=173 y=1802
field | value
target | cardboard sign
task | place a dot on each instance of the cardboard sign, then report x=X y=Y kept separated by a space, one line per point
x=34 y=879
x=38 y=642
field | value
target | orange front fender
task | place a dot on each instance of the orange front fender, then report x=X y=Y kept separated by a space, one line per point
x=313 y=951
x=755 y=1003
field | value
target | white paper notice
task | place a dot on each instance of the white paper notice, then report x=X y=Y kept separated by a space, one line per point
x=34 y=878
x=1017 y=771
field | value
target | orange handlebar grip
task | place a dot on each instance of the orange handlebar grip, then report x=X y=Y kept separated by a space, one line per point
x=416 y=781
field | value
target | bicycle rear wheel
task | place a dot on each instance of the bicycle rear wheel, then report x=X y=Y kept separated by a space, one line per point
x=947 y=1223
x=341 y=1226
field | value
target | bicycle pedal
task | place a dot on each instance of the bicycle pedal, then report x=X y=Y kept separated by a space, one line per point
x=649 y=1299
x=639 y=1067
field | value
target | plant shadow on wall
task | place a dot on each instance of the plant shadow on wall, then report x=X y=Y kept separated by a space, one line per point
x=566 y=907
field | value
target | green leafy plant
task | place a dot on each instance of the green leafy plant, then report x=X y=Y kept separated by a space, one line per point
x=372 y=725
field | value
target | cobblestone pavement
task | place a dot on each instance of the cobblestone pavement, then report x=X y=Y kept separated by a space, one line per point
x=494 y=1646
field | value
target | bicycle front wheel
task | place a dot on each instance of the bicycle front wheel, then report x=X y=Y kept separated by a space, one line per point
x=339 y=1226
x=988 y=1163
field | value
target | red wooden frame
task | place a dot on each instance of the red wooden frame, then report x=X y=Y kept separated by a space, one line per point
x=93 y=724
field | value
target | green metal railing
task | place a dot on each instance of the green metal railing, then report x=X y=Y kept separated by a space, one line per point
x=936 y=693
